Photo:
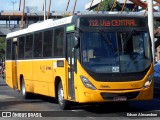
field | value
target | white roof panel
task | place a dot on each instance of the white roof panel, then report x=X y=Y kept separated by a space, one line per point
x=42 y=25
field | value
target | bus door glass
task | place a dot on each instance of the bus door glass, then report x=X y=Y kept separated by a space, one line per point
x=71 y=64
x=14 y=63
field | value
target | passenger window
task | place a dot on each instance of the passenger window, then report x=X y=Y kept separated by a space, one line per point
x=29 y=46
x=9 y=52
x=58 y=42
x=47 y=43
x=38 y=44
x=21 y=42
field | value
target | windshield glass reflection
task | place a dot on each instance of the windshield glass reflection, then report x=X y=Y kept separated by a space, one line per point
x=114 y=52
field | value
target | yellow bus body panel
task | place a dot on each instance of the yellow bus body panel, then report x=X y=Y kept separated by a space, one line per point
x=39 y=77
x=84 y=94
x=8 y=67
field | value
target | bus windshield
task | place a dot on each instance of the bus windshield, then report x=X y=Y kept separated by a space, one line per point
x=115 y=52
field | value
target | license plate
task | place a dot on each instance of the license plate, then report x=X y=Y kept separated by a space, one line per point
x=120 y=98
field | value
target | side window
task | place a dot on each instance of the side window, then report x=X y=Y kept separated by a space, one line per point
x=13 y=50
x=8 y=49
x=47 y=43
x=21 y=42
x=38 y=44
x=58 y=42
x=146 y=45
x=29 y=46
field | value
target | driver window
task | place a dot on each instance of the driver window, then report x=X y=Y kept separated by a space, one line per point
x=138 y=44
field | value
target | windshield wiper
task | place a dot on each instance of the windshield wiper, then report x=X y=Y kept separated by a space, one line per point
x=128 y=37
x=107 y=40
x=105 y=37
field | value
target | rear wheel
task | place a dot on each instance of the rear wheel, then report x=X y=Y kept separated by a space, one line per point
x=64 y=104
x=23 y=90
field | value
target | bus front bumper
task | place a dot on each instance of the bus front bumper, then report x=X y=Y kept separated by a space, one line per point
x=86 y=95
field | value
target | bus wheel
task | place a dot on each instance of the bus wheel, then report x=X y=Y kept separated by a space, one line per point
x=64 y=104
x=23 y=90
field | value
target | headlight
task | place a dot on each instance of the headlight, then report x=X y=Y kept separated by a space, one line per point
x=148 y=82
x=87 y=83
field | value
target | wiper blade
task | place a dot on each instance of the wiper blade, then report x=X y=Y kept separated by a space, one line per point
x=128 y=37
x=105 y=37
x=107 y=40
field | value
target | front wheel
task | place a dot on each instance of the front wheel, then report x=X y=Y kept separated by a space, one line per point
x=25 y=94
x=64 y=104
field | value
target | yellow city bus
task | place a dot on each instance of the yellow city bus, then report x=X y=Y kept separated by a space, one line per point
x=83 y=59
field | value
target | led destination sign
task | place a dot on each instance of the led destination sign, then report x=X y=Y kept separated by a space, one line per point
x=105 y=23
x=115 y=22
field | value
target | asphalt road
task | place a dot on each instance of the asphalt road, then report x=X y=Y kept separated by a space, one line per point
x=12 y=103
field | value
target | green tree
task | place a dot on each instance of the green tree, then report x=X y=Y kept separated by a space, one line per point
x=107 y=5
x=2 y=48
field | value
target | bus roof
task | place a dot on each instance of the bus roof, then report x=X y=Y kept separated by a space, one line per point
x=41 y=25
x=52 y=23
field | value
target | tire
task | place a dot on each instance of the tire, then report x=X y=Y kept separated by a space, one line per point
x=64 y=104
x=25 y=94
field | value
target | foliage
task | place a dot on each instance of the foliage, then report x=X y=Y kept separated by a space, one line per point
x=2 y=48
x=107 y=5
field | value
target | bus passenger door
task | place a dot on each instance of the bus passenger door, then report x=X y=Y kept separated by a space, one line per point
x=71 y=65
x=14 y=63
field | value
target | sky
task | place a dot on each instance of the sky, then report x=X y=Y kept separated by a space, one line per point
x=57 y=5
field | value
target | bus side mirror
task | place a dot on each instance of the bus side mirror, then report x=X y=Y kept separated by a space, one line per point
x=76 y=42
x=76 y=39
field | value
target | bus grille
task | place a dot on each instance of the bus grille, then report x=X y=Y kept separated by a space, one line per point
x=117 y=78
x=111 y=96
